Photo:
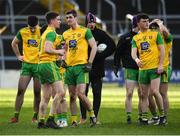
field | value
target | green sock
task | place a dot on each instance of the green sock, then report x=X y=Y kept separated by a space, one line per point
x=64 y=115
x=128 y=114
x=51 y=117
x=16 y=115
x=161 y=112
x=154 y=114
x=144 y=115
x=35 y=115
x=140 y=115
x=42 y=120
x=59 y=116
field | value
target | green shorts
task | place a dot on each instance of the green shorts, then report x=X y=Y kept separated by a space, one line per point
x=76 y=75
x=145 y=76
x=29 y=69
x=165 y=77
x=49 y=72
x=131 y=74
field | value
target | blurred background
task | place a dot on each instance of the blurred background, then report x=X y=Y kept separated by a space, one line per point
x=113 y=17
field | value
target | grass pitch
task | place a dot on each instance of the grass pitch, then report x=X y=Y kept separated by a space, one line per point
x=112 y=116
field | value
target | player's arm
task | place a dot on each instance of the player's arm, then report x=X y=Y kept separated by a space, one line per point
x=111 y=46
x=92 y=44
x=163 y=28
x=119 y=51
x=134 y=54
x=48 y=47
x=15 y=44
x=161 y=52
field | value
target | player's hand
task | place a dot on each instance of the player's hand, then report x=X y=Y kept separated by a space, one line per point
x=138 y=62
x=61 y=52
x=63 y=64
x=160 y=70
x=115 y=69
x=20 y=58
x=88 y=67
x=158 y=21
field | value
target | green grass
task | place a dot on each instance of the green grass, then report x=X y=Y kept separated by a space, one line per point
x=112 y=116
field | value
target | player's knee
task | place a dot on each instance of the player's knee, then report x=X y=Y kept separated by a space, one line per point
x=72 y=98
x=80 y=94
x=20 y=92
x=63 y=100
x=129 y=95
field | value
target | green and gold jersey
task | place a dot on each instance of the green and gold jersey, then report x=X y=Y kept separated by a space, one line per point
x=30 y=43
x=77 y=45
x=49 y=35
x=147 y=44
x=167 y=46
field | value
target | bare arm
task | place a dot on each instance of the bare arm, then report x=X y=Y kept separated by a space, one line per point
x=135 y=58
x=161 y=58
x=93 y=45
x=162 y=27
x=49 y=49
x=15 y=44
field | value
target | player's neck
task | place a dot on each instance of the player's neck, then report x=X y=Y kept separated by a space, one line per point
x=143 y=30
x=74 y=26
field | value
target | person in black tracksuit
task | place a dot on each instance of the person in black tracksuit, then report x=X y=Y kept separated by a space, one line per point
x=97 y=72
x=123 y=55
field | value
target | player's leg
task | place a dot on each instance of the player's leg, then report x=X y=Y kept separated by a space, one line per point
x=46 y=95
x=82 y=79
x=144 y=84
x=22 y=86
x=57 y=87
x=144 y=102
x=165 y=78
x=73 y=104
x=62 y=109
x=85 y=101
x=155 y=84
x=131 y=79
x=37 y=91
x=130 y=85
x=82 y=108
x=96 y=89
x=37 y=98
x=139 y=104
x=153 y=109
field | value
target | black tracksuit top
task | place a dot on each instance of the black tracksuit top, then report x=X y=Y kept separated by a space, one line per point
x=122 y=56
x=98 y=63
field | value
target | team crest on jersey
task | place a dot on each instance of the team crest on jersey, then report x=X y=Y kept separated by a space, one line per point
x=32 y=42
x=72 y=44
x=144 y=46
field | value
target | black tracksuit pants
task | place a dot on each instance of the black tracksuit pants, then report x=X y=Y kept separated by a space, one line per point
x=96 y=85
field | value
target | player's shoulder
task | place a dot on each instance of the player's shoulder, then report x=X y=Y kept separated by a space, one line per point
x=24 y=29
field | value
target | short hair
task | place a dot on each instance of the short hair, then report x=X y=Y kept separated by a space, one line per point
x=73 y=12
x=154 y=25
x=50 y=16
x=142 y=16
x=32 y=21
